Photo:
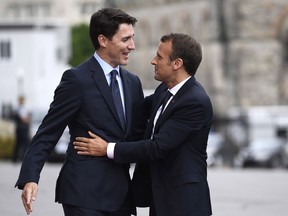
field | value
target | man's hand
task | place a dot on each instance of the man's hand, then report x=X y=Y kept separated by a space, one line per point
x=94 y=146
x=29 y=194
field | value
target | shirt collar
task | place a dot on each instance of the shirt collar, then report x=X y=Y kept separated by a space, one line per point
x=176 y=88
x=107 y=68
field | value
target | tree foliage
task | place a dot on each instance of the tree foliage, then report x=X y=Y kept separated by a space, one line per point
x=82 y=47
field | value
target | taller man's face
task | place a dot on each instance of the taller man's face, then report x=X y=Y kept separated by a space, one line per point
x=122 y=43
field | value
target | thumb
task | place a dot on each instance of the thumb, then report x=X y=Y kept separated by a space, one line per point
x=34 y=194
x=30 y=192
x=92 y=134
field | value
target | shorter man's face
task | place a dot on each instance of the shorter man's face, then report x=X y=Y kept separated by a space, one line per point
x=163 y=64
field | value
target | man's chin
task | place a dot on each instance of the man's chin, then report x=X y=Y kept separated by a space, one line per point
x=157 y=77
x=124 y=61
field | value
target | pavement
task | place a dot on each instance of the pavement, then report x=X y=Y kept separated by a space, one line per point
x=237 y=192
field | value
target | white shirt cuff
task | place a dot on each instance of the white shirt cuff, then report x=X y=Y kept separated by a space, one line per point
x=110 y=150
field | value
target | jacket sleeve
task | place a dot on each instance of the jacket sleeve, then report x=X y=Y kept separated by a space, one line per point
x=65 y=104
x=179 y=126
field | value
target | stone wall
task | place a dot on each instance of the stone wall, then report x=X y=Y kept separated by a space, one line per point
x=245 y=43
x=245 y=47
x=194 y=18
x=256 y=66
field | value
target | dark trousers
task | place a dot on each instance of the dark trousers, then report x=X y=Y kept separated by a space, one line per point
x=126 y=209
x=152 y=210
x=70 y=210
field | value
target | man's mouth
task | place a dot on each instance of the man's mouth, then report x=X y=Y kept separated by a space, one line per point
x=126 y=54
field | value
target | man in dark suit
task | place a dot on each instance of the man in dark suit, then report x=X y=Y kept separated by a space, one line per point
x=90 y=186
x=176 y=136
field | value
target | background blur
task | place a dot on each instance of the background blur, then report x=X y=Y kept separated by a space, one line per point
x=244 y=68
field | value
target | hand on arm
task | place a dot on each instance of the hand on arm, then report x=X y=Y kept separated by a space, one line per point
x=29 y=194
x=94 y=146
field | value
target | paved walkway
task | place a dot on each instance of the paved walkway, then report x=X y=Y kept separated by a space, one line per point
x=249 y=192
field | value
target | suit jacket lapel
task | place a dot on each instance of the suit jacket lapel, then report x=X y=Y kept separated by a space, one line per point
x=160 y=117
x=101 y=82
x=158 y=97
x=127 y=97
x=189 y=83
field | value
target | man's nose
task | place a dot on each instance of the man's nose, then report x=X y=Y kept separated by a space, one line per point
x=131 y=45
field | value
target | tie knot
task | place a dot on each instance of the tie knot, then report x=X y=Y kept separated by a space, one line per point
x=114 y=74
x=167 y=97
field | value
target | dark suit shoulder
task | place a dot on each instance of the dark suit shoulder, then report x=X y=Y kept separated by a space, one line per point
x=81 y=74
x=85 y=66
x=193 y=89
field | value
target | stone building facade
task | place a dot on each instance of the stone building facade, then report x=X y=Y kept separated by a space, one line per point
x=245 y=43
x=245 y=47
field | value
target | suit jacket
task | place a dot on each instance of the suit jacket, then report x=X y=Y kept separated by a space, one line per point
x=176 y=154
x=83 y=101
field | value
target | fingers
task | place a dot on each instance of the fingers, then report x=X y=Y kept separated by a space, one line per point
x=29 y=194
x=82 y=139
x=94 y=146
x=83 y=148
x=80 y=147
x=82 y=143
x=82 y=152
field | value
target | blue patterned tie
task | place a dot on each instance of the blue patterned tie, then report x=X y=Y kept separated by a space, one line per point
x=117 y=97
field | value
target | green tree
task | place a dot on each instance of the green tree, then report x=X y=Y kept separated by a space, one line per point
x=82 y=47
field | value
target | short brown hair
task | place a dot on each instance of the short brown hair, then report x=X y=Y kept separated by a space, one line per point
x=186 y=48
x=106 y=21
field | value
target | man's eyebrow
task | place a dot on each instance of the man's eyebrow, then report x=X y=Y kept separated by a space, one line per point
x=158 y=54
x=128 y=36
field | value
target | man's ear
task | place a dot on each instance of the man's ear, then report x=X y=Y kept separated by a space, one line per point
x=177 y=63
x=102 y=40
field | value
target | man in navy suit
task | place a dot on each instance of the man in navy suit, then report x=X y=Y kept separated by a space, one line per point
x=83 y=101
x=176 y=136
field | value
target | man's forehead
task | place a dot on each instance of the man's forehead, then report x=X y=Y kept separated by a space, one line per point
x=124 y=27
x=165 y=47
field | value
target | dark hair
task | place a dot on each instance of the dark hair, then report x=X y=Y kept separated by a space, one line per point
x=186 y=48
x=106 y=21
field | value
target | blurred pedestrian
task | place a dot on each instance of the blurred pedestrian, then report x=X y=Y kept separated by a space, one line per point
x=22 y=118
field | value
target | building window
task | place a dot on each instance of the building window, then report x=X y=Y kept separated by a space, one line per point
x=28 y=10
x=46 y=9
x=31 y=10
x=13 y=11
x=5 y=49
x=89 y=7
